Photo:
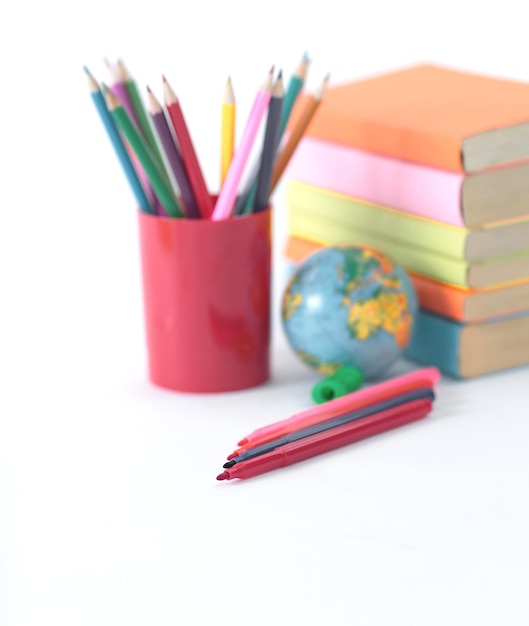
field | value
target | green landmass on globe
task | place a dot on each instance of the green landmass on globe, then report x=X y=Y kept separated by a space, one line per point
x=349 y=305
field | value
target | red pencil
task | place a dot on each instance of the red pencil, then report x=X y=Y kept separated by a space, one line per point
x=196 y=178
x=329 y=440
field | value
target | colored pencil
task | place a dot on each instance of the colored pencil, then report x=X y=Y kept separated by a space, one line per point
x=172 y=152
x=296 y=135
x=228 y=120
x=141 y=116
x=294 y=87
x=119 y=88
x=329 y=440
x=246 y=199
x=400 y=400
x=203 y=198
x=424 y=377
x=117 y=142
x=144 y=154
x=270 y=142
x=226 y=200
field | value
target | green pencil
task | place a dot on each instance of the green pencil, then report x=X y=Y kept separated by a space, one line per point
x=295 y=85
x=144 y=154
x=124 y=76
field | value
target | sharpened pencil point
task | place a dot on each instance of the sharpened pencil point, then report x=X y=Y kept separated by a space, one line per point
x=223 y=476
x=92 y=82
x=243 y=442
x=113 y=102
x=228 y=464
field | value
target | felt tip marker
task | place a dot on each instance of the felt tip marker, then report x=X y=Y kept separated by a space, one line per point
x=329 y=440
x=405 y=398
x=422 y=378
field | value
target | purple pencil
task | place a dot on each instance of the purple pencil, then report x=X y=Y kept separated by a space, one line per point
x=174 y=157
x=119 y=88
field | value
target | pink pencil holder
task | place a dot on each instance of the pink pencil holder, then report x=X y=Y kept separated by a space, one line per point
x=206 y=288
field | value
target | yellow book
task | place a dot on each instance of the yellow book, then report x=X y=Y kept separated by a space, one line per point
x=472 y=275
x=307 y=203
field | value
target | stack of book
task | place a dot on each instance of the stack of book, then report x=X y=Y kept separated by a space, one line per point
x=431 y=166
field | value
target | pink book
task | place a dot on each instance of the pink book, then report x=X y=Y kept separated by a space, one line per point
x=440 y=195
x=419 y=190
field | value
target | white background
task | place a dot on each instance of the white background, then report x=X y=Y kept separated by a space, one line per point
x=110 y=512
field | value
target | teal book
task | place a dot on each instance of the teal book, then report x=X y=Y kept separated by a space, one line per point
x=469 y=350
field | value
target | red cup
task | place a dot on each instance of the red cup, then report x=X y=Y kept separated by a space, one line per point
x=206 y=289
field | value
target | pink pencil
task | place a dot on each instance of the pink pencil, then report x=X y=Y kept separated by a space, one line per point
x=228 y=193
x=424 y=377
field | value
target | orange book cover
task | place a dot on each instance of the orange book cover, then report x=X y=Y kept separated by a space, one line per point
x=420 y=114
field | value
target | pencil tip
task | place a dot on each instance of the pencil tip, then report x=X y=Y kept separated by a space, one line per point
x=163 y=78
x=148 y=89
x=228 y=464
x=223 y=476
x=242 y=442
x=280 y=75
x=272 y=69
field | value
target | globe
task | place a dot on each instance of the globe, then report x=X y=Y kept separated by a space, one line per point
x=349 y=306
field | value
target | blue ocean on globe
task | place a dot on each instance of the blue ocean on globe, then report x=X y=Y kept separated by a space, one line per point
x=349 y=305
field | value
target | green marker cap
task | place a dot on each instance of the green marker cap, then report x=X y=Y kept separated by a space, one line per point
x=351 y=377
x=344 y=380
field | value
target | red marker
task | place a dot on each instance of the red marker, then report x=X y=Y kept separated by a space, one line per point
x=422 y=378
x=329 y=440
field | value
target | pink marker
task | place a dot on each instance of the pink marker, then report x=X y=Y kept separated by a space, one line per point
x=424 y=377
x=228 y=193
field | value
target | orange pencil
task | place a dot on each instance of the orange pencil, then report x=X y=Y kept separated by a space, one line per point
x=189 y=156
x=311 y=106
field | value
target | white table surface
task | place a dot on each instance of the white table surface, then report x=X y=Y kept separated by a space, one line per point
x=110 y=513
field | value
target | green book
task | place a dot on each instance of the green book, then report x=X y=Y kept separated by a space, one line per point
x=467 y=274
x=308 y=202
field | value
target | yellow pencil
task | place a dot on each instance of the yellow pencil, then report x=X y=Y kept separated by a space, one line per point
x=228 y=130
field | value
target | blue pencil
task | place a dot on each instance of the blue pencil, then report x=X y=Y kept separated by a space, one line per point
x=271 y=140
x=119 y=146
